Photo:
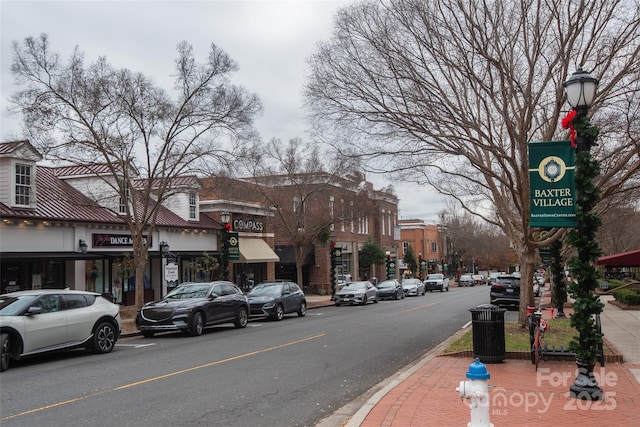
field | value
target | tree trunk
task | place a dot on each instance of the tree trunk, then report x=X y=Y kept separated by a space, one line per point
x=526 y=282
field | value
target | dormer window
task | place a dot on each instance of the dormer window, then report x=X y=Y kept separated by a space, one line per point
x=23 y=184
x=193 y=206
x=122 y=205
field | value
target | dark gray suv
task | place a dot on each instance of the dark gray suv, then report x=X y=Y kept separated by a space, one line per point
x=505 y=291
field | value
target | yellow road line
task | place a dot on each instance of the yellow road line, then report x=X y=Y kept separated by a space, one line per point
x=206 y=365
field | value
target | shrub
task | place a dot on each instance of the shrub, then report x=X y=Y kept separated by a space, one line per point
x=627 y=296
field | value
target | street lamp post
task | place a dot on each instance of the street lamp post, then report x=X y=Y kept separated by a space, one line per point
x=580 y=90
x=164 y=253
x=224 y=253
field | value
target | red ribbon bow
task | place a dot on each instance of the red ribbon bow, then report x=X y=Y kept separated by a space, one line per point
x=567 y=123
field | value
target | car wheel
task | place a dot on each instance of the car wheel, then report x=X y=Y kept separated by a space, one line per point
x=148 y=334
x=242 y=318
x=337 y=304
x=104 y=338
x=302 y=311
x=364 y=300
x=375 y=301
x=279 y=314
x=5 y=344
x=197 y=325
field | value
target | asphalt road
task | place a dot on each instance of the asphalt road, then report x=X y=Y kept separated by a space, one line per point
x=289 y=373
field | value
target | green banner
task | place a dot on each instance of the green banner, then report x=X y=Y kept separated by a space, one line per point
x=337 y=255
x=233 y=244
x=551 y=176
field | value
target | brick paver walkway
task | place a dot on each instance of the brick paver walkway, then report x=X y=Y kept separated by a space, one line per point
x=519 y=396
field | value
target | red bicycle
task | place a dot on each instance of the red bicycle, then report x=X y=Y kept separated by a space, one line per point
x=537 y=328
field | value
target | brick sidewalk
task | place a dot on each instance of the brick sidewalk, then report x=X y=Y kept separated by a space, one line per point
x=519 y=396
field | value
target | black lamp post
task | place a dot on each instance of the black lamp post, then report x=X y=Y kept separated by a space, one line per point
x=164 y=253
x=224 y=254
x=332 y=254
x=580 y=90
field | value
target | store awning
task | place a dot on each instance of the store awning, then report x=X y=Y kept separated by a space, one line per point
x=256 y=250
x=626 y=259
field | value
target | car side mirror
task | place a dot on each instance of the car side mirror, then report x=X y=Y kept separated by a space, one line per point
x=212 y=297
x=33 y=310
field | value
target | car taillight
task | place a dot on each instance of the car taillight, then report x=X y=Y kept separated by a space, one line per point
x=497 y=287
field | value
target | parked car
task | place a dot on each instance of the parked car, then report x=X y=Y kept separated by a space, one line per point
x=191 y=307
x=357 y=293
x=40 y=321
x=506 y=291
x=478 y=280
x=390 y=289
x=466 y=280
x=275 y=299
x=436 y=282
x=413 y=287
x=493 y=276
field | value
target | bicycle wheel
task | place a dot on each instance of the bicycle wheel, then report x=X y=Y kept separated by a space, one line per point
x=537 y=349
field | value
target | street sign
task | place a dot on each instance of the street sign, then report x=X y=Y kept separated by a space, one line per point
x=551 y=191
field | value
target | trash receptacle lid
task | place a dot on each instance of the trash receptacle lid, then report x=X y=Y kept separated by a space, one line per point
x=478 y=371
x=487 y=307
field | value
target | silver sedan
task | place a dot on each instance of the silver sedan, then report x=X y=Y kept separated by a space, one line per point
x=413 y=287
x=357 y=293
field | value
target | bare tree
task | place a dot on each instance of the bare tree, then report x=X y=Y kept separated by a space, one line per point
x=128 y=132
x=296 y=181
x=450 y=93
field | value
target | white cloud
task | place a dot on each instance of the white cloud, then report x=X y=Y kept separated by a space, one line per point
x=270 y=41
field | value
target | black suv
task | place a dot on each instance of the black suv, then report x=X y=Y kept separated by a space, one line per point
x=505 y=290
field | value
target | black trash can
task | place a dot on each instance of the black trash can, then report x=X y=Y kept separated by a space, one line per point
x=487 y=321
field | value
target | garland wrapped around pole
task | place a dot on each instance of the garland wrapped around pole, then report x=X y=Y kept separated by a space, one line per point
x=583 y=238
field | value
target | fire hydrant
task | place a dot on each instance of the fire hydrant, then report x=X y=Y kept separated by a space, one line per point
x=476 y=389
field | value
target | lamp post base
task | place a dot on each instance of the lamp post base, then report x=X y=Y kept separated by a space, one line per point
x=585 y=386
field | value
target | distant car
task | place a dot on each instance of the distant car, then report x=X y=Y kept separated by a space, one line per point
x=275 y=299
x=357 y=293
x=493 y=276
x=40 y=321
x=506 y=291
x=436 y=282
x=466 y=280
x=390 y=289
x=191 y=307
x=477 y=279
x=413 y=287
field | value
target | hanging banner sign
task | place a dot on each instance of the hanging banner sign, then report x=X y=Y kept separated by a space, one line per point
x=551 y=180
x=336 y=253
x=233 y=246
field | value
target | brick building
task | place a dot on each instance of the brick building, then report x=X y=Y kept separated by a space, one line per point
x=425 y=240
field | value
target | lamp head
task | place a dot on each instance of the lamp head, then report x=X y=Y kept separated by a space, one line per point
x=82 y=245
x=224 y=217
x=581 y=89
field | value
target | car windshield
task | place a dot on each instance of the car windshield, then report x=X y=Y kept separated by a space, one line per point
x=355 y=285
x=465 y=277
x=189 y=291
x=410 y=281
x=434 y=277
x=266 y=290
x=11 y=305
x=386 y=284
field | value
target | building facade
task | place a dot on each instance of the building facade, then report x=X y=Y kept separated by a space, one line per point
x=61 y=227
x=426 y=242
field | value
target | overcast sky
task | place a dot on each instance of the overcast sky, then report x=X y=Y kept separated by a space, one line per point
x=270 y=40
